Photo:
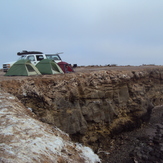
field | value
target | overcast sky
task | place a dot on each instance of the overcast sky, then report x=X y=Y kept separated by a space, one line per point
x=89 y=32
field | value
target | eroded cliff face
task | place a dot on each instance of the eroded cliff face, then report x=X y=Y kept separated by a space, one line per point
x=91 y=106
x=24 y=139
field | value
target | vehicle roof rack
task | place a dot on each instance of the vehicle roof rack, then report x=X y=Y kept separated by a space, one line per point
x=28 y=52
x=55 y=53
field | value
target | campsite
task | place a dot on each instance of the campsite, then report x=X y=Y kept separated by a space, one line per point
x=92 y=105
x=36 y=63
x=84 y=102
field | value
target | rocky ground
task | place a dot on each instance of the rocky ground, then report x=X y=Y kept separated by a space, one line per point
x=24 y=139
x=143 y=145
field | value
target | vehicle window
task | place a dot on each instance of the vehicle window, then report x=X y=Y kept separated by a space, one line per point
x=22 y=57
x=48 y=57
x=39 y=57
x=31 y=58
x=53 y=57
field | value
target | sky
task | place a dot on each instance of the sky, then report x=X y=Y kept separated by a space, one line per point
x=88 y=32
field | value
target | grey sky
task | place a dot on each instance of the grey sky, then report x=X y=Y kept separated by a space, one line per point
x=89 y=32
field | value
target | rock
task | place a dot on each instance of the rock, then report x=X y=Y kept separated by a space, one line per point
x=102 y=103
x=26 y=139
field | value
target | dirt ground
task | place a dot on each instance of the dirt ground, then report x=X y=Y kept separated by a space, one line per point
x=82 y=69
x=114 y=68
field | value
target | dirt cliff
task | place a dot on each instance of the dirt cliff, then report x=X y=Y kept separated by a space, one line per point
x=91 y=106
x=25 y=139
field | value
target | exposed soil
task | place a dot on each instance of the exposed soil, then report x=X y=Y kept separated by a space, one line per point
x=143 y=145
x=24 y=139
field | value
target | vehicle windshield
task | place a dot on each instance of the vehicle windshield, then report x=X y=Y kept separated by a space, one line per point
x=22 y=57
x=53 y=56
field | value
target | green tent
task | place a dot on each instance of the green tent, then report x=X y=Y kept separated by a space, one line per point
x=22 y=68
x=47 y=66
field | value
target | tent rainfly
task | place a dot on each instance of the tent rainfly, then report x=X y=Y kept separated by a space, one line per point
x=22 y=68
x=47 y=66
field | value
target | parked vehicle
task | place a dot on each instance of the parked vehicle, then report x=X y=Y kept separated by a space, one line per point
x=34 y=57
x=66 y=68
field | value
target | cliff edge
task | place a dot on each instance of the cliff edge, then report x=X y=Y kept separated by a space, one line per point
x=91 y=106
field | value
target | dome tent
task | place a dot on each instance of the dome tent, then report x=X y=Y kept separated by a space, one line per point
x=22 y=68
x=47 y=66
